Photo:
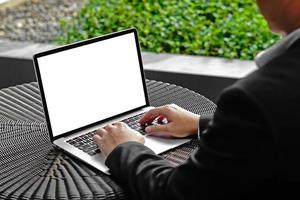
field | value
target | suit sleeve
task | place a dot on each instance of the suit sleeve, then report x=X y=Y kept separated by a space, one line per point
x=236 y=150
x=204 y=121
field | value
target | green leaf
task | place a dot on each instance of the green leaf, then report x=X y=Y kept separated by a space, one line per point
x=227 y=28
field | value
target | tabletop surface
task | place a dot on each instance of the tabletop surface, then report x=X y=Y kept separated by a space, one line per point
x=32 y=168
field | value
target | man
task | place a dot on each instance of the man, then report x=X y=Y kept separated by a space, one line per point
x=248 y=150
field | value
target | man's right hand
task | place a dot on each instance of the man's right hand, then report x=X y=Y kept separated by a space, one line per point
x=181 y=123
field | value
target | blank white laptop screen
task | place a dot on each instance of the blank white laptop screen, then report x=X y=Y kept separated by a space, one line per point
x=92 y=82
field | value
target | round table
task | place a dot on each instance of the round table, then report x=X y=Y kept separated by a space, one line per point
x=32 y=168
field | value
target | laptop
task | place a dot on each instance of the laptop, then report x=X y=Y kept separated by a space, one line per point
x=92 y=83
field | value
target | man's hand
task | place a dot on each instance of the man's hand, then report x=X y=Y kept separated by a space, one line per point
x=180 y=122
x=112 y=135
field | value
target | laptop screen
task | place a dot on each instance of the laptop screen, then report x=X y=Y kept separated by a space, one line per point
x=88 y=83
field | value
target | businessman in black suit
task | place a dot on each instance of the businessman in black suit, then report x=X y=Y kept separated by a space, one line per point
x=249 y=149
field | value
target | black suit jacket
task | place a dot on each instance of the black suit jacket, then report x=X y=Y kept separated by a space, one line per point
x=249 y=150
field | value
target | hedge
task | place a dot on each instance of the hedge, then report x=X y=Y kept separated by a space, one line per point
x=227 y=28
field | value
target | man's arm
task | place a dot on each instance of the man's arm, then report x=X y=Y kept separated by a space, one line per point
x=236 y=150
x=204 y=121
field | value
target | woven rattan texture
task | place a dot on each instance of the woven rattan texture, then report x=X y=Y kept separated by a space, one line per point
x=31 y=168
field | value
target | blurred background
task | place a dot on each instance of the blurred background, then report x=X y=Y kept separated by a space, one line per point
x=226 y=28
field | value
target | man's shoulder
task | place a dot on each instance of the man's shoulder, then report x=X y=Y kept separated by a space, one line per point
x=276 y=84
x=281 y=72
x=288 y=57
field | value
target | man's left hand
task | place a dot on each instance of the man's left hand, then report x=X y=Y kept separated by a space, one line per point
x=109 y=137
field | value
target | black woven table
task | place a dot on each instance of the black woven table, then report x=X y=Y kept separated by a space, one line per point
x=31 y=168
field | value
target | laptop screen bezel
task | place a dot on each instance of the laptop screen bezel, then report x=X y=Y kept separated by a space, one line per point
x=75 y=45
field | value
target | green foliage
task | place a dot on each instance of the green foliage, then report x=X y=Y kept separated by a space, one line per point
x=226 y=28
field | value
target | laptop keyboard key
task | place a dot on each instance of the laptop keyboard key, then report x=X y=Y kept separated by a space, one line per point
x=76 y=145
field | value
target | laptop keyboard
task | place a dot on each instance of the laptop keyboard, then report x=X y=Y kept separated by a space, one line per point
x=133 y=123
x=85 y=141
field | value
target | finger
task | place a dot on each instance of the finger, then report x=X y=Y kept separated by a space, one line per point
x=100 y=142
x=109 y=127
x=152 y=114
x=100 y=131
x=119 y=124
x=160 y=119
x=97 y=139
x=157 y=128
